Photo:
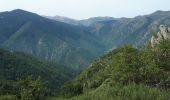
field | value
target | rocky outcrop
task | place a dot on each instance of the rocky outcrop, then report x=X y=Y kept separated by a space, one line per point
x=163 y=34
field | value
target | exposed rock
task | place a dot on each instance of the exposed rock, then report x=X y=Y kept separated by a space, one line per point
x=163 y=34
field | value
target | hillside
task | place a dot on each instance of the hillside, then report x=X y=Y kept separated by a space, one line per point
x=16 y=66
x=125 y=73
x=55 y=41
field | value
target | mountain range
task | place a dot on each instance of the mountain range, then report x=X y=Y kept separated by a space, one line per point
x=55 y=41
x=118 y=31
x=59 y=39
x=40 y=56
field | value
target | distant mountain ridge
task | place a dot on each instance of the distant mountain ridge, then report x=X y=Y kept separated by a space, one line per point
x=134 y=31
x=84 y=22
x=64 y=19
x=115 y=32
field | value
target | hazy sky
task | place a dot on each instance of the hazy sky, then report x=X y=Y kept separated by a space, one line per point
x=81 y=9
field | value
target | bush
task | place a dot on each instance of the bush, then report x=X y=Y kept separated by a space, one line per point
x=127 y=65
x=32 y=90
x=8 y=97
x=129 y=92
x=72 y=89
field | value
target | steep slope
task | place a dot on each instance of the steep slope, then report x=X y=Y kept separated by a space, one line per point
x=55 y=41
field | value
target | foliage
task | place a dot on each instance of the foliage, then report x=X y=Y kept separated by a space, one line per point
x=130 y=92
x=16 y=67
x=32 y=90
x=24 y=89
x=127 y=66
x=8 y=97
x=75 y=88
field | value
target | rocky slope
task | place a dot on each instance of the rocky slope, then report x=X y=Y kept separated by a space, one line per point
x=163 y=34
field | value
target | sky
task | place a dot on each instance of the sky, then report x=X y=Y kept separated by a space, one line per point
x=83 y=9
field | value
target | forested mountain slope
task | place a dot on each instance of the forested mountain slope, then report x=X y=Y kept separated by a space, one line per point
x=55 y=41
x=17 y=66
x=126 y=73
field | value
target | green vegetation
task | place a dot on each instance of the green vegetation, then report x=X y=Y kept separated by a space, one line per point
x=24 y=89
x=23 y=76
x=8 y=97
x=130 y=92
x=126 y=73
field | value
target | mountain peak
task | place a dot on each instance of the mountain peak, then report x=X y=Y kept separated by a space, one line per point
x=19 y=11
x=22 y=12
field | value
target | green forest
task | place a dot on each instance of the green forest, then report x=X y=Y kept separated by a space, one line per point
x=25 y=77
x=126 y=73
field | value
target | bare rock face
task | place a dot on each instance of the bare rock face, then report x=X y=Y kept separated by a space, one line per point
x=163 y=34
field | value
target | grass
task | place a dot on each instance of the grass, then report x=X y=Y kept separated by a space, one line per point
x=118 y=92
x=8 y=97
